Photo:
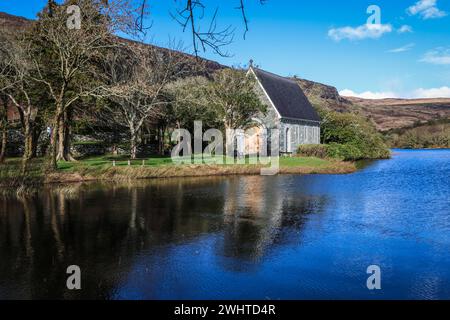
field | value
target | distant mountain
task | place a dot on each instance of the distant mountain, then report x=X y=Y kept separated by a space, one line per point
x=391 y=114
x=10 y=24
x=387 y=114
x=10 y=21
x=323 y=95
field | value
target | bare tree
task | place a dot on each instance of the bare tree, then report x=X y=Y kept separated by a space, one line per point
x=138 y=76
x=4 y=72
x=3 y=126
x=65 y=58
x=20 y=90
x=193 y=11
x=18 y=87
x=189 y=14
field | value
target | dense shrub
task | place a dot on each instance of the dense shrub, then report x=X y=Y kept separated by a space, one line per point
x=313 y=150
x=88 y=148
x=345 y=151
x=424 y=136
x=350 y=137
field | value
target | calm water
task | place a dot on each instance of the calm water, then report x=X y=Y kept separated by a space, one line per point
x=284 y=237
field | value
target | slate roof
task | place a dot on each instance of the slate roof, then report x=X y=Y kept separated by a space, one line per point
x=287 y=96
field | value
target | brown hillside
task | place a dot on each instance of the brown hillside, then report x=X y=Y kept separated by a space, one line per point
x=399 y=113
x=10 y=21
x=11 y=25
x=386 y=113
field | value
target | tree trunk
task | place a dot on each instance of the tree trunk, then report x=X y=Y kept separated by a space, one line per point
x=28 y=142
x=28 y=135
x=54 y=136
x=64 y=135
x=37 y=130
x=161 y=133
x=3 y=143
x=68 y=135
x=54 y=148
x=133 y=147
x=4 y=128
x=61 y=138
x=28 y=128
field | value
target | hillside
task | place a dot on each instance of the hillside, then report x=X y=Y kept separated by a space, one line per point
x=10 y=24
x=387 y=114
x=324 y=96
x=400 y=113
x=434 y=134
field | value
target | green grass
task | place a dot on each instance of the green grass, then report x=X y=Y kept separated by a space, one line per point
x=101 y=167
x=88 y=143
x=122 y=161
x=104 y=162
x=303 y=162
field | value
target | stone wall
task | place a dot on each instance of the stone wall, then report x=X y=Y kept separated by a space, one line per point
x=300 y=132
x=82 y=145
x=15 y=144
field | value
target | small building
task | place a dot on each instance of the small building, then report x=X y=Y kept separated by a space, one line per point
x=288 y=110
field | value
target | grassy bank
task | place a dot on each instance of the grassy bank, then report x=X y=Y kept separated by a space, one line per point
x=101 y=168
x=431 y=135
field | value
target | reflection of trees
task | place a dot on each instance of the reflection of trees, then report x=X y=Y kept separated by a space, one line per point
x=100 y=229
x=103 y=228
x=252 y=214
x=258 y=214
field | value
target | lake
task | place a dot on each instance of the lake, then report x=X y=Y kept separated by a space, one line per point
x=248 y=237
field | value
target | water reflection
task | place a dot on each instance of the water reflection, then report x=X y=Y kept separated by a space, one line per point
x=107 y=229
x=257 y=215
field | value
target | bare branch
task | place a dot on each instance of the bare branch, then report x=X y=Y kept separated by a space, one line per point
x=214 y=38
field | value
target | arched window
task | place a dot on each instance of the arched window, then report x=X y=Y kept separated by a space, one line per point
x=288 y=140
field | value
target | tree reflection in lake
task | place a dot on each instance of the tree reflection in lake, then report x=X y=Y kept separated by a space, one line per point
x=257 y=215
x=283 y=237
x=109 y=229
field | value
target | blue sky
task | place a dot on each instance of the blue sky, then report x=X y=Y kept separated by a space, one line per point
x=407 y=55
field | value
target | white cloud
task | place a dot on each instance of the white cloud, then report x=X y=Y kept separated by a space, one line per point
x=442 y=92
x=366 y=31
x=368 y=94
x=402 y=49
x=421 y=93
x=405 y=29
x=427 y=9
x=440 y=56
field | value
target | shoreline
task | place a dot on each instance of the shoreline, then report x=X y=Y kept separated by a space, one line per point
x=418 y=149
x=129 y=173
